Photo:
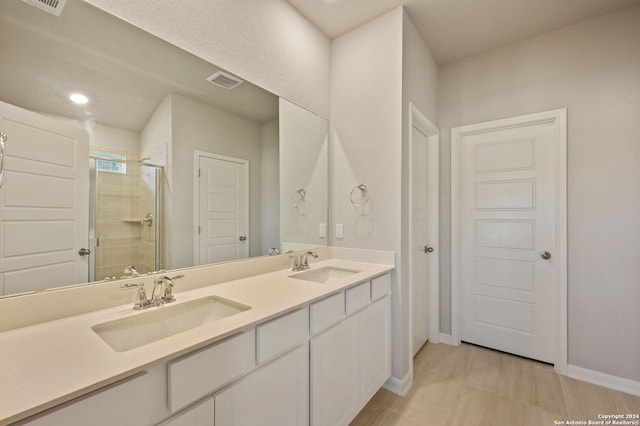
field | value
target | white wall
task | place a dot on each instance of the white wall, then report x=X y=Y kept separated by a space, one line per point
x=420 y=87
x=270 y=186
x=105 y=137
x=197 y=126
x=366 y=133
x=266 y=42
x=303 y=165
x=592 y=69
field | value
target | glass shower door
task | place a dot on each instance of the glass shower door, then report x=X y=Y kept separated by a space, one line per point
x=125 y=217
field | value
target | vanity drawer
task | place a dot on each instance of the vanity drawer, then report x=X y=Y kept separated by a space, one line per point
x=204 y=371
x=280 y=334
x=123 y=403
x=326 y=312
x=380 y=286
x=358 y=297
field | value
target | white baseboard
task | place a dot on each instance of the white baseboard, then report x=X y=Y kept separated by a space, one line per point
x=445 y=338
x=400 y=386
x=602 y=379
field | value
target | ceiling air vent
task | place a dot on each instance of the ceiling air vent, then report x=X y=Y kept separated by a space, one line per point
x=54 y=7
x=225 y=80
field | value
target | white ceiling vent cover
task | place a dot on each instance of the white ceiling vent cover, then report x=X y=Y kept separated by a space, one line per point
x=226 y=80
x=54 y=7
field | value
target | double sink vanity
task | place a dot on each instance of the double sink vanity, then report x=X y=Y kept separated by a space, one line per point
x=254 y=344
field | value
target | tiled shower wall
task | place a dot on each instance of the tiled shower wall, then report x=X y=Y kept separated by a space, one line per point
x=123 y=200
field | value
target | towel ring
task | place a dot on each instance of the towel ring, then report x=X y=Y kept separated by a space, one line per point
x=362 y=199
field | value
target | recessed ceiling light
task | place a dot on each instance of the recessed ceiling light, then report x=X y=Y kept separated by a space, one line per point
x=79 y=98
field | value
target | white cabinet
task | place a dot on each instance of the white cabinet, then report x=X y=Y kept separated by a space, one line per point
x=274 y=395
x=270 y=375
x=334 y=374
x=351 y=360
x=202 y=372
x=281 y=334
x=201 y=414
x=123 y=403
x=375 y=347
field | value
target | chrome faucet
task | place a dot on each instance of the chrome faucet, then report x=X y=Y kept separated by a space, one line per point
x=162 y=292
x=130 y=269
x=141 y=301
x=301 y=262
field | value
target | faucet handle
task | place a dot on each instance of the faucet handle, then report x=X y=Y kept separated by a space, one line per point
x=167 y=295
x=128 y=286
x=295 y=263
x=141 y=297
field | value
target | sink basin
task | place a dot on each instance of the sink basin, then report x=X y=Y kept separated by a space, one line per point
x=324 y=275
x=156 y=324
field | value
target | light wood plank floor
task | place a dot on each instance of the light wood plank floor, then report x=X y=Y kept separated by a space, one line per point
x=470 y=385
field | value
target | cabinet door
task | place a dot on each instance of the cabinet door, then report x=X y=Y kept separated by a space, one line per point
x=275 y=395
x=124 y=403
x=201 y=414
x=334 y=374
x=375 y=347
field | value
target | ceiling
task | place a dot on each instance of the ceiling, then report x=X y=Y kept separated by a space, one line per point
x=454 y=29
x=125 y=71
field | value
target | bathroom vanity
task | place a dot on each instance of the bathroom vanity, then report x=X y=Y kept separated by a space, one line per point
x=272 y=348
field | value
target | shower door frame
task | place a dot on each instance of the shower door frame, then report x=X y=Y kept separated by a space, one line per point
x=93 y=201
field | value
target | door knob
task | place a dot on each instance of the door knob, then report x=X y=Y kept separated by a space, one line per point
x=545 y=255
x=242 y=238
x=84 y=252
x=428 y=249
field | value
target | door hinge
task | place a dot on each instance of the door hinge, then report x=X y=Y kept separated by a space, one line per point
x=198 y=230
x=199 y=173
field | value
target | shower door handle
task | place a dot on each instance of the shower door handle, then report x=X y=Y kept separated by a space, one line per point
x=84 y=252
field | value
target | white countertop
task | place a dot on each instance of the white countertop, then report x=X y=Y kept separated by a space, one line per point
x=46 y=364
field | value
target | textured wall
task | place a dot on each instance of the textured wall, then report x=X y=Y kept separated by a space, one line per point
x=420 y=87
x=266 y=42
x=592 y=69
x=303 y=165
x=366 y=119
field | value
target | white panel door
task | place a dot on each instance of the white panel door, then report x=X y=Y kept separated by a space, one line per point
x=44 y=199
x=507 y=218
x=222 y=209
x=419 y=239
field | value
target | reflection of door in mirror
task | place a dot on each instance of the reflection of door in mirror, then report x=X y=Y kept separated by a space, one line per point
x=44 y=206
x=222 y=208
x=125 y=215
x=163 y=105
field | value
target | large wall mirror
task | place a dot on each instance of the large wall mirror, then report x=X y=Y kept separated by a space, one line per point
x=172 y=162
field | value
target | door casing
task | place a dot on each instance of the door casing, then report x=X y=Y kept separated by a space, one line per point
x=558 y=118
x=419 y=121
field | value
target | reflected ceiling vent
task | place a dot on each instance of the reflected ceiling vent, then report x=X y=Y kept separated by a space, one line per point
x=224 y=79
x=54 y=7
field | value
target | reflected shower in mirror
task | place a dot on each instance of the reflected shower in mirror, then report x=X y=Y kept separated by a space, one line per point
x=226 y=154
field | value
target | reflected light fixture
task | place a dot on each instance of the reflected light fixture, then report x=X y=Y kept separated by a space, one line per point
x=79 y=98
